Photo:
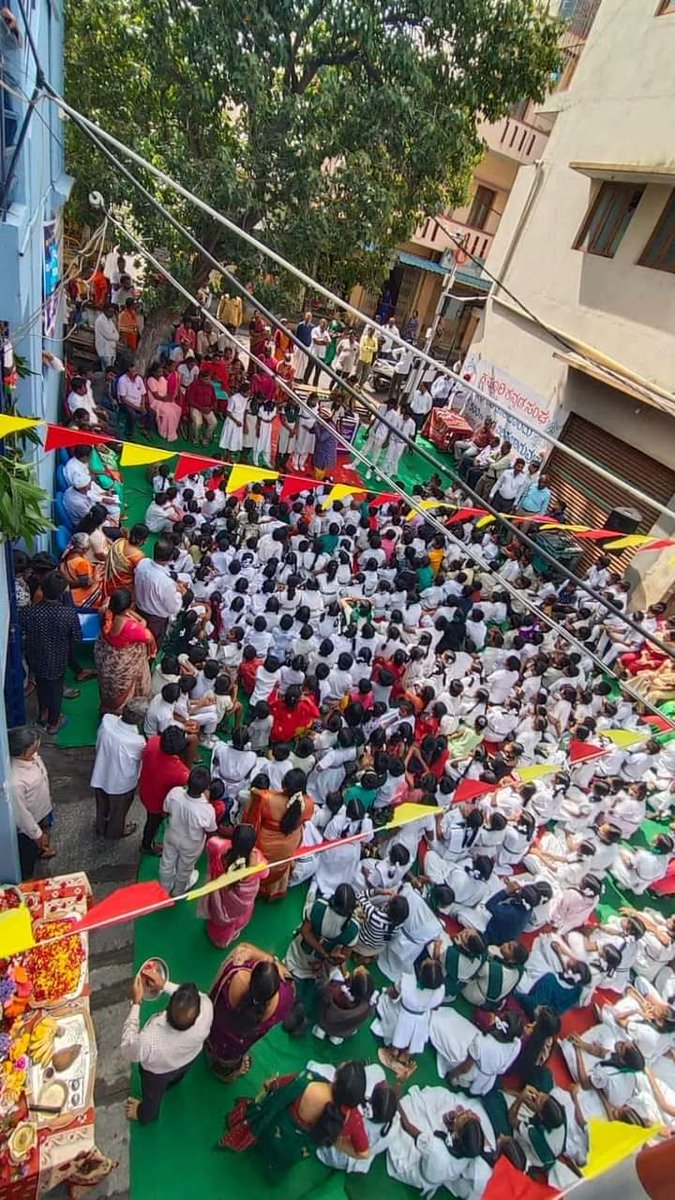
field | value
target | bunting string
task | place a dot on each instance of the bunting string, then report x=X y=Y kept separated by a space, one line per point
x=242 y=475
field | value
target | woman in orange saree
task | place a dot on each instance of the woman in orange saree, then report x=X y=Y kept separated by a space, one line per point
x=278 y=818
x=122 y=559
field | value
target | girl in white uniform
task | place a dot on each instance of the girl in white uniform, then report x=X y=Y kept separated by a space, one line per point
x=404 y=1017
x=231 y=437
x=262 y=445
x=472 y=1060
x=381 y=1120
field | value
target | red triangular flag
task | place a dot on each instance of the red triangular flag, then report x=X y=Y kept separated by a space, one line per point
x=581 y=751
x=294 y=484
x=507 y=1183
x=59 y=438
x=597 y=535
x=125 y=903
x=385 y=498
x=192 y=464
x=660 y=723
x=463 y=514
x=658 y=545
x=472 y=789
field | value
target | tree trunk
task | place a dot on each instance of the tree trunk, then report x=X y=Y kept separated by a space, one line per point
x=156 y=330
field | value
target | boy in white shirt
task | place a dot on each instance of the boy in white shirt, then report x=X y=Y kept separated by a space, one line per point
x=191 y=818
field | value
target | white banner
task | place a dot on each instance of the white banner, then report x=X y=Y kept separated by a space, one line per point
x=522 y=402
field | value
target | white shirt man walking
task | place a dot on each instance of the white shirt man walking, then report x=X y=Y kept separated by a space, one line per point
x=119 y=747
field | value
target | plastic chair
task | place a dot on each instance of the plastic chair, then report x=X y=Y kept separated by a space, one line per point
x=61 y=481
x=90 y=625
x=61 y=538
x=62 y=515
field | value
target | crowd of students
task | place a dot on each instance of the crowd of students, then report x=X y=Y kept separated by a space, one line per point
x=338 y=660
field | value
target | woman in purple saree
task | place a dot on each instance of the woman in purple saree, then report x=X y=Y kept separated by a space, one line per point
x=251 y=994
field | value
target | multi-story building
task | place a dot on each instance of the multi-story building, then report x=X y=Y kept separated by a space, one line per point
x=423 y=262
x=33 y=190
x=586 y=350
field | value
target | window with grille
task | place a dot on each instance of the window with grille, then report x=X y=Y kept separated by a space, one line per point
x=609 y=218
x=481 y=205
x=659 y=252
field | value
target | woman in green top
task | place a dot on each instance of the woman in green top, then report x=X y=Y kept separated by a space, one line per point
x=464 y=740
x=335 y=328
x=296 y=1114
x=323 y=940
x=104 y=465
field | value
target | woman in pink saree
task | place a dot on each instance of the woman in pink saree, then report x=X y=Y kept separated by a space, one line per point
x=163 y=402
x=229 y=910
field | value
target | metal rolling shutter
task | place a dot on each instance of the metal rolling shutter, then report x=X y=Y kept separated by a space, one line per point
x=589 y=497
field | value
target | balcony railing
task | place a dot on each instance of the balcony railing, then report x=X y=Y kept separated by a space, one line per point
x=514 y=139
x=477 y=242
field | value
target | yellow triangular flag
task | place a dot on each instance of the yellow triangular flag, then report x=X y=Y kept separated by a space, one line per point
x=241 y=476
x=225 y=880
x=537 y=771
x=612 y=1141
x=9 y=424
x=631 y=539
x=405 y=813
x=340 y=490
x=625 y=737
x=562 y=525
x=486 y=520
x=16 y=931
x=431 y=503
x=140 y=456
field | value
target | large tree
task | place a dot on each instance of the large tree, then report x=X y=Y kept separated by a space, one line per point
x=337 y=124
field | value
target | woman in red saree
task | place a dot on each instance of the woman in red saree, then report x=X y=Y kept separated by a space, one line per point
x=229 y=910
x=121 y=654
x=278 y=818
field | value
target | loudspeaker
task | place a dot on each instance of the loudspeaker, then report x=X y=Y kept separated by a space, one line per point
x=623 y=520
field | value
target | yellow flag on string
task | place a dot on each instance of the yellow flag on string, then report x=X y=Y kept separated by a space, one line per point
x=631 y=539
x=430 y=503
x=612 y=1141
x=405 y=813
x=340 y=490
x=537 y=771
x=562 y=525
x=16 y=931
x=625 y=737
x=10 y=424
x=241 y=476
x=486 y=520
x=141 y=456
x=225 y=880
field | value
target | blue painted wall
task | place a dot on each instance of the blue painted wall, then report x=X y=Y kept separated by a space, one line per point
x=38 y=189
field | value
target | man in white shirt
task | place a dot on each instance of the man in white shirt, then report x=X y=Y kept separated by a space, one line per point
x=79 y=397
x=321 y=340
x=78 y=499
x=390 y=328
x=420 y=405
x=167 y=1044
x=403 y=356
x=106 y=336
x=441 y=389
x=131 y=395
x=509 y=487
x=158 y=597
x=117 y=765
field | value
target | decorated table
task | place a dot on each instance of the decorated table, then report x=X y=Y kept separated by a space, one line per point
x=445 y=427
x=47 y=1046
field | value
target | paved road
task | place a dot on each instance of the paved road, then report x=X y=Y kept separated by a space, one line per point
x=109 y=865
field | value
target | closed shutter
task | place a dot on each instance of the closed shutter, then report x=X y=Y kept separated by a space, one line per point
x=590 y=498
x=406 y=296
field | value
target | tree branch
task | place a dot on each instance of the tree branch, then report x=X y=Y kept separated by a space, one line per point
x=314 y=65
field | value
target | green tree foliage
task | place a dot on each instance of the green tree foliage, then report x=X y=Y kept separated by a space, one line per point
x=338 y=124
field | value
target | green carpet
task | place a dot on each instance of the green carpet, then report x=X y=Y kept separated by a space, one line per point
x=192 y=1118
